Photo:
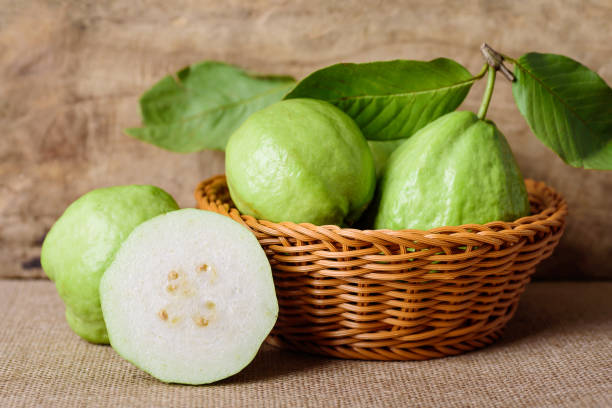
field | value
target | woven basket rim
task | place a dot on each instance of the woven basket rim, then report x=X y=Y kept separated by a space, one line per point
x=552 y=214
x=373 y=294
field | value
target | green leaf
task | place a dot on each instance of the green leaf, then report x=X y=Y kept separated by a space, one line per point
x=203 y=104
x=390 y=99
x=567 y=106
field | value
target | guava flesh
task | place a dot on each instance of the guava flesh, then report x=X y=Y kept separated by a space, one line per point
x=189 y=297
x=83 y=241
x=456 y=170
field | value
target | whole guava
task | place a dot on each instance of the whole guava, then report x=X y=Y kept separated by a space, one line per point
x=82 y=244
x=381 y=151
x=300 y=160
x=456 y=170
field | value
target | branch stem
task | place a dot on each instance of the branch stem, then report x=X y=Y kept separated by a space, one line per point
x=496 y=60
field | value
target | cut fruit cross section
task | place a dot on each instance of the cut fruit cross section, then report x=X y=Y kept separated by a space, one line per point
x=189 y=298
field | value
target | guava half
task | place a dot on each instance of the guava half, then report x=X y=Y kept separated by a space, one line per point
x=83 y=241
x=189 y=298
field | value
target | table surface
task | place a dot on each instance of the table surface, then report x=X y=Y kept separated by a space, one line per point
x=555 y=352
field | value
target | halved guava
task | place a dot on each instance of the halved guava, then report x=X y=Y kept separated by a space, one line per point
x=189 y=297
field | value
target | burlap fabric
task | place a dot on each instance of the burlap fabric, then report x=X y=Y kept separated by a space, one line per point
x=555 y=353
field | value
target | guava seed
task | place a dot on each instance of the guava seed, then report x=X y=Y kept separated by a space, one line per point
x=200 y=321
x=204 y=268
x=163 y=314
x=171 y=288
x=209 y=305
x=173 y=275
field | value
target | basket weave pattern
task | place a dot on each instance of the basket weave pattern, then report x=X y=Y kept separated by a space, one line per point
x=398 y=295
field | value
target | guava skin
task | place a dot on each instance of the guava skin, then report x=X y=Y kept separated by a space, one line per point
x=456 y=170
x=300 y=160
x=82 y=244
x=381 y=151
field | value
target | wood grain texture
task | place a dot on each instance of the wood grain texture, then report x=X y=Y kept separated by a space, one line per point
x=71 y=74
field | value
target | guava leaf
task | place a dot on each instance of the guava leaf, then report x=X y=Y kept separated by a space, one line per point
x=567 y=106
x=390 y=99
x=203 y=104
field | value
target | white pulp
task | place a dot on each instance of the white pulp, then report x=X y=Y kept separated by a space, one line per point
x=189 y=297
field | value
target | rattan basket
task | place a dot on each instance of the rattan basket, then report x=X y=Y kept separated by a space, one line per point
x=398 y=295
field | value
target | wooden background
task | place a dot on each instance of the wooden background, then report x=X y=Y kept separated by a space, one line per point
x=71 y=74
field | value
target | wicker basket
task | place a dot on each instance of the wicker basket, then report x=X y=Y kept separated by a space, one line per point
x=398 y=295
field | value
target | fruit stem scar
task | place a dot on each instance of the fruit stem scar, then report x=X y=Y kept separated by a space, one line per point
x=163 y=314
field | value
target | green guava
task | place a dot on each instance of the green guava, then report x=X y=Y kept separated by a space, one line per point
x=83 y=242
x=189 y=297
x=381 y=151
x=300 y=160
x=456 y=170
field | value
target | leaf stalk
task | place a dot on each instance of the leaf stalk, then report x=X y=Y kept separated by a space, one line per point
x=482 y=72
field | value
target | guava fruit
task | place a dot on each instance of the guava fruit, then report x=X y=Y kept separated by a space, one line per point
x=83 y=241
x=189 y=297
x=381 y=151
x=300 y=160
x=456 y=170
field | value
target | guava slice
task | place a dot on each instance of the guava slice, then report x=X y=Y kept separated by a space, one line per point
x=189 y=297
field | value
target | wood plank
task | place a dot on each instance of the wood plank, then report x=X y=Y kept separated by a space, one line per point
x=71 y=73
